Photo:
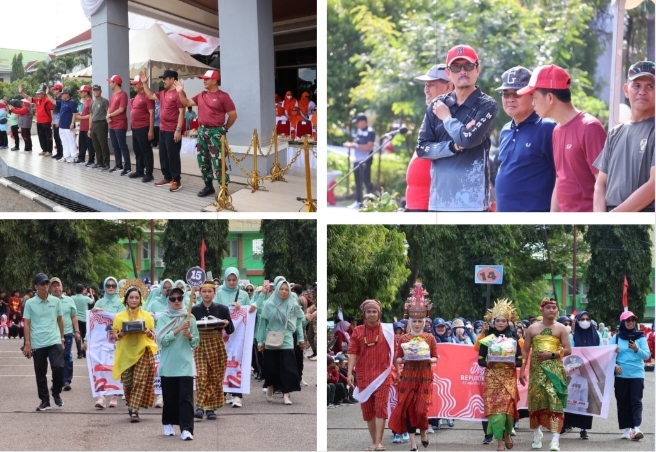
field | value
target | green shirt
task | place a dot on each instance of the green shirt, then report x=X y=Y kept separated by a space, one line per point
x=157 y=304
x=176 y=352
x=114 y=306
x=273 y=319
x=13 y=119
x=82 y=303
x=68 y=312
x=44 y=330
x=226 y=298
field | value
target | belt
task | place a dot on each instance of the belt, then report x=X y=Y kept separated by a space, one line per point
x=210 y=127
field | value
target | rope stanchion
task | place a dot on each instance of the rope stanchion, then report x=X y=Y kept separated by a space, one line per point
x=276 y=172
x=311 y=204
x=223 y=199
x=254 y=177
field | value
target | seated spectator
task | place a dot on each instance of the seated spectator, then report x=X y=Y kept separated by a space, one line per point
x=4 y=327
x=336 y=390
x=16 y=327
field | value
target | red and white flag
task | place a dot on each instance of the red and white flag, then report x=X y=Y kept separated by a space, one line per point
x=203 y=249
x=625 y=294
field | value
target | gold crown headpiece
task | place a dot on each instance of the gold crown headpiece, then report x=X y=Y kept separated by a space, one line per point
x=418 y=306
x=502 y=308
x=138 y=284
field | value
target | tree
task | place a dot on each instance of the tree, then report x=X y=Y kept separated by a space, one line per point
x=617 y=251
x=364 y=262
x=181 y=242
x=290 y=250
x=17 y=69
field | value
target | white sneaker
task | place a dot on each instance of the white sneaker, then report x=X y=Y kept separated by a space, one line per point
x=228 y=398
x=159 y=401
x=637 y=434
x=355 y=205
x=554 y=445
x=100 y=403
x=236 y=402
x=626 y=434
x=513 y=433
x=537 y=440
x=186 y=436
x=430 y=429
x=168 y=430
x=303 y=383
x=331 y=406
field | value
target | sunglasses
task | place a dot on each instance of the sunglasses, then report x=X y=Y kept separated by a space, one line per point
x=458 y=67
x=249 y=290
x=176 y=299
x=110 y=286
x=507 y=95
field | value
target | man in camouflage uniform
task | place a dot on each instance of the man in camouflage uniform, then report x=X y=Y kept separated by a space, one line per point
x=216 y=114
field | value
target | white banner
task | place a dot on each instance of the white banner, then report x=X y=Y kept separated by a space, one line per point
x=239 y=347
x=100 y=354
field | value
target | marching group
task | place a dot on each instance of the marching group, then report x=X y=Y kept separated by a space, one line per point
x=360 y=369
x=168 y=318
x=551 y=155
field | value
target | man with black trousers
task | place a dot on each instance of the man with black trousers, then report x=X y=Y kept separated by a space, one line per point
x=57 y=90
x=44 y=339
x=142 y=115
x=363 y=144
x=43 y=119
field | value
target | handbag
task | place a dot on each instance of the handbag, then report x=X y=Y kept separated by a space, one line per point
x=274 y=339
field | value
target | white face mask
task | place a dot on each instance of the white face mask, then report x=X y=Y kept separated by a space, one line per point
x=569 y=328
x=585 y=324
x=289 y=97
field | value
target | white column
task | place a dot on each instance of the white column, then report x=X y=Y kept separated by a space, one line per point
x=110 y=44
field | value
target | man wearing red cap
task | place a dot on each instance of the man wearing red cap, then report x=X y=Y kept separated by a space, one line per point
x=370 y=352
x=43 y=118
x=117 y=119
x=213 y=107
x=577 y=139
x=85 y=141
x=455 y=135
x=142 y=114
x=626 y=165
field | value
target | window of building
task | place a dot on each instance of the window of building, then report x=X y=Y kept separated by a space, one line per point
x=233 y=248
x=258 y=248
x=126 y=254
x=159 y=251
x=145 y=250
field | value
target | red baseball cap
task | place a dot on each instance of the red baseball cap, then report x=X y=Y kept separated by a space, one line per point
x=214 y=75
x=86 y=88
x=461 y=51
x=57 y=86
x=547 y=77
x=115 y=79
x=137 y=79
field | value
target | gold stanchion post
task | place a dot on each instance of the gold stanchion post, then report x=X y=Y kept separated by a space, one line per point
x=223 y=198
x=276 y=172
x=254 y=181
x=311 y=206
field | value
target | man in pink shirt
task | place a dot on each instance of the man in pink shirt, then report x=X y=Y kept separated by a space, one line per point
x=142 y=114
x=577 y=139
x=84 y=137
x=117 y=119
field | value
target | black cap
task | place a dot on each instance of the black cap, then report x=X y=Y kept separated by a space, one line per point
x=360 y=117
x=176 y=289
x=66 y=91
x=515 y=78
x=169 y=73
x=96 y=87
x=40 y=278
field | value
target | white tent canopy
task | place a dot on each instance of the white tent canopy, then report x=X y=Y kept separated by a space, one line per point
x=154 y=51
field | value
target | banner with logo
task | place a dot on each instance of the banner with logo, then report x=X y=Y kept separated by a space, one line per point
x=239 y=347
x=101 y=345
x=459 y=382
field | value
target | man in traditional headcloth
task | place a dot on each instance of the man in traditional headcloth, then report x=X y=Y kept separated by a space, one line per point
x=547 y=384
x=370 y=353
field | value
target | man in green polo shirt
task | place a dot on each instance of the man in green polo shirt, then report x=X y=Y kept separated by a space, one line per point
x=44 y=339
x=71 y=328
x=82 y=303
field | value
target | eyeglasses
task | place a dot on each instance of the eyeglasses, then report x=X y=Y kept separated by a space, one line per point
x=249 y=290
x=456 y=68
x=507 y=95
x=110 y=286
x=176 y=299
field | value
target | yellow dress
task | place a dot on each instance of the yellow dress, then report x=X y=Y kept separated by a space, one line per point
x=131 y=347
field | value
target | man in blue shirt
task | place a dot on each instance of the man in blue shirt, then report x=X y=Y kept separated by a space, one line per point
x=363 y=144
x=67 y=108
x=527 y=173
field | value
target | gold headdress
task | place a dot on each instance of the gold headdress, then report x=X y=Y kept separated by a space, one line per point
x=138 y=284
x=502 y=308
x=418 y=306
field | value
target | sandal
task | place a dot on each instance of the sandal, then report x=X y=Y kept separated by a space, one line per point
x=425 y=443
x=413 y=449
x=134 y=416
x=508 y=441
x=380 y=448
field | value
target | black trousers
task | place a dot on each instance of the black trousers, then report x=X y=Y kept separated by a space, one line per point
x=628 y=393
x=178 y=396
x=363 y=180
x=155 y=142
x=16 y=331
x=281 y=370
x=55 y=134
x=99 y=131
x=298 y=353
x=3 y=138
x=83 y=334
x=14 y=134
x=143 y=150
x=44 y=131
x=41 y=356
x=27 y=138
x=86 y=143
x=169 y=156
x=256 y=361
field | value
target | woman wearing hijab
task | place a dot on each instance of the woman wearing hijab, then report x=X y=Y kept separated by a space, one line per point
x=177 y=337
x=415 y=382
x=281 y=314
x=229 y=294
x=110 y=302
x=342 y=337
x=632 y=350
x=289 y=102
x=583 y=335
x=158 y=300
x=499 y=355
x=134 y=361
x=603 y=331
x=306 y=105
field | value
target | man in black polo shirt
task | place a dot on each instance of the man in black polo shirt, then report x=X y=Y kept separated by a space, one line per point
x=363 y=144
x=455 y=135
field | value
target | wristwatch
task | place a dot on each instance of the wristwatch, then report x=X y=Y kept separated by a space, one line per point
x=553 y=355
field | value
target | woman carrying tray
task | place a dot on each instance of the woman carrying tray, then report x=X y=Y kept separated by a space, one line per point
x=134 y=361
x=416 y=350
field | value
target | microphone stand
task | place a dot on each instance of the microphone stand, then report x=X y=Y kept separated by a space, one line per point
x=384 y=140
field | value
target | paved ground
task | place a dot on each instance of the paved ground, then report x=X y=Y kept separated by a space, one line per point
x=258 y=425
x=12 y=201
x=347 y=431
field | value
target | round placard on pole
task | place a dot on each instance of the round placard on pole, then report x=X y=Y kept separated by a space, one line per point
x=195 y=276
